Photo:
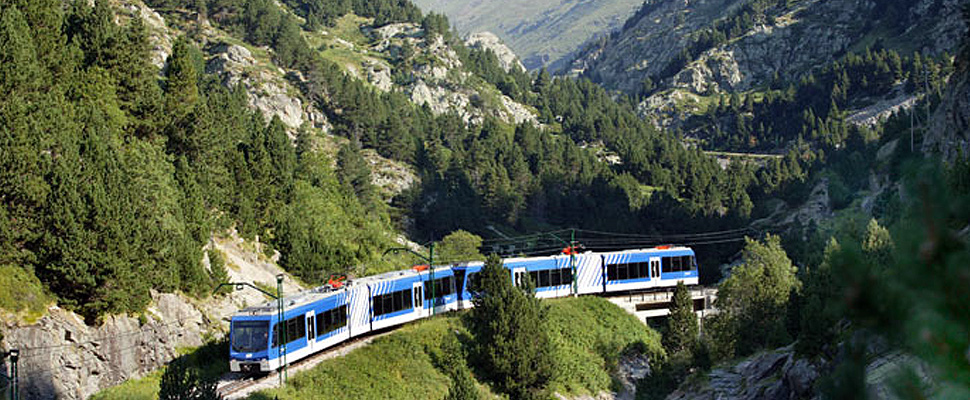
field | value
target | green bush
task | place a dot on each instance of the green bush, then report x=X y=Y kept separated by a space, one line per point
x=22 y=292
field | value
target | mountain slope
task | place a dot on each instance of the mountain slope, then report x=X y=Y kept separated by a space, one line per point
x=543 y=33
x=738 y=44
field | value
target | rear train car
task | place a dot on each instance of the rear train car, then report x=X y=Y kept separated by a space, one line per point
x=641 y=269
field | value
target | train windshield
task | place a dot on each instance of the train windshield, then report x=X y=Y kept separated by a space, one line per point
x=250 y=336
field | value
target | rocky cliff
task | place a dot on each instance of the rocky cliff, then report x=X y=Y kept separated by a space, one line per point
x=781 y=375
x=948 y=132
x=789 y=41
x=488 y=40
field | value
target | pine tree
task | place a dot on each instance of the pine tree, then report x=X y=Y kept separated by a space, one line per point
x=510 y=336
x=682 y=324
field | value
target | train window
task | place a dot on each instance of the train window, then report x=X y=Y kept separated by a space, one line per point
x=323 y=323
x=567 y=276
x=442 y=287
x=642 y=269
x=555 y=277
x=295 y=329
x=665 y=264
x=250 y=336
x=611 y=272
x=392 y=302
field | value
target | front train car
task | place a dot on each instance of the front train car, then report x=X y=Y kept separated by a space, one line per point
x=249 y=336
x=312 y=321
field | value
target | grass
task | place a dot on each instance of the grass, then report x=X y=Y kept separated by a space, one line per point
x=145 y=388
x=22 y=294
x=397 y=366
x=589 y=337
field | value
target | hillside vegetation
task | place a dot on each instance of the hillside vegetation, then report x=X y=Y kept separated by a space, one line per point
x=589 y=336
x=120 y=197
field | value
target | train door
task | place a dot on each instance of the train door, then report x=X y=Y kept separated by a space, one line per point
x=311 y=337
x=654 y=271
x=417 y=292
x=519 y=276
x=459 y=287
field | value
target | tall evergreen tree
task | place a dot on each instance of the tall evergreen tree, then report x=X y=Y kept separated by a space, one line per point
x=682 y=323
x=510 y=335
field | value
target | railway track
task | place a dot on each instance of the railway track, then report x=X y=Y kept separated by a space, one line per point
x=234 y=385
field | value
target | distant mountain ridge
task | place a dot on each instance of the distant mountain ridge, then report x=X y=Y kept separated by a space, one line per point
x=544 y=33
x=674 y=43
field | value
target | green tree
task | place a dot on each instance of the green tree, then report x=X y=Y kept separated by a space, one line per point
x=754 y=298
x=877 y=243
x=460 y=245
x=181 y=382
x=820 y=312
x=682 y=327
x=510 y=336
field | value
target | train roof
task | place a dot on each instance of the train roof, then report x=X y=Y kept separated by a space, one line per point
x=651 y=249
x=292 y=301
x=325 y=291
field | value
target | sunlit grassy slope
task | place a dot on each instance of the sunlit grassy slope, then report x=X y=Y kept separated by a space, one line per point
x=589 y=335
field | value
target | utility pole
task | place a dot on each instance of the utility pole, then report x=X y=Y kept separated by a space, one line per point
x=281 y=323
x=572 y=260
x=571 y=250
x=431 y=275
x=14 y=380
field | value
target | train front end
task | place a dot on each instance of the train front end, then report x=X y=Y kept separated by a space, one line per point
x=249 y=344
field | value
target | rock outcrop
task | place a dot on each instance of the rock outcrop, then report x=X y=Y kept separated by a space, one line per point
x=781 y=374
x=544 y=33
x=63 y=358
x=438 y=79
x=487 y=40
x=267 y=89
x=948 y=132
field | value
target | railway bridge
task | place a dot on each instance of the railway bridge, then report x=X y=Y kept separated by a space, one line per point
x=647 y=306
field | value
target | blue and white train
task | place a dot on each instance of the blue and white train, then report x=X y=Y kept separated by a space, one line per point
x=326 y=316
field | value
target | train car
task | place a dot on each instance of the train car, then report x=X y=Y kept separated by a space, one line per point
x=403 y=296
x=550 y=275
x=313 y=320
x=660 y=266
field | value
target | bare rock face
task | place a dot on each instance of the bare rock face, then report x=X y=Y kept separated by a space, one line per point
x=771 y=375
x=63 y=358
x=158 y=33
x=487 y=40
x=266 y=88
x=949 y=129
